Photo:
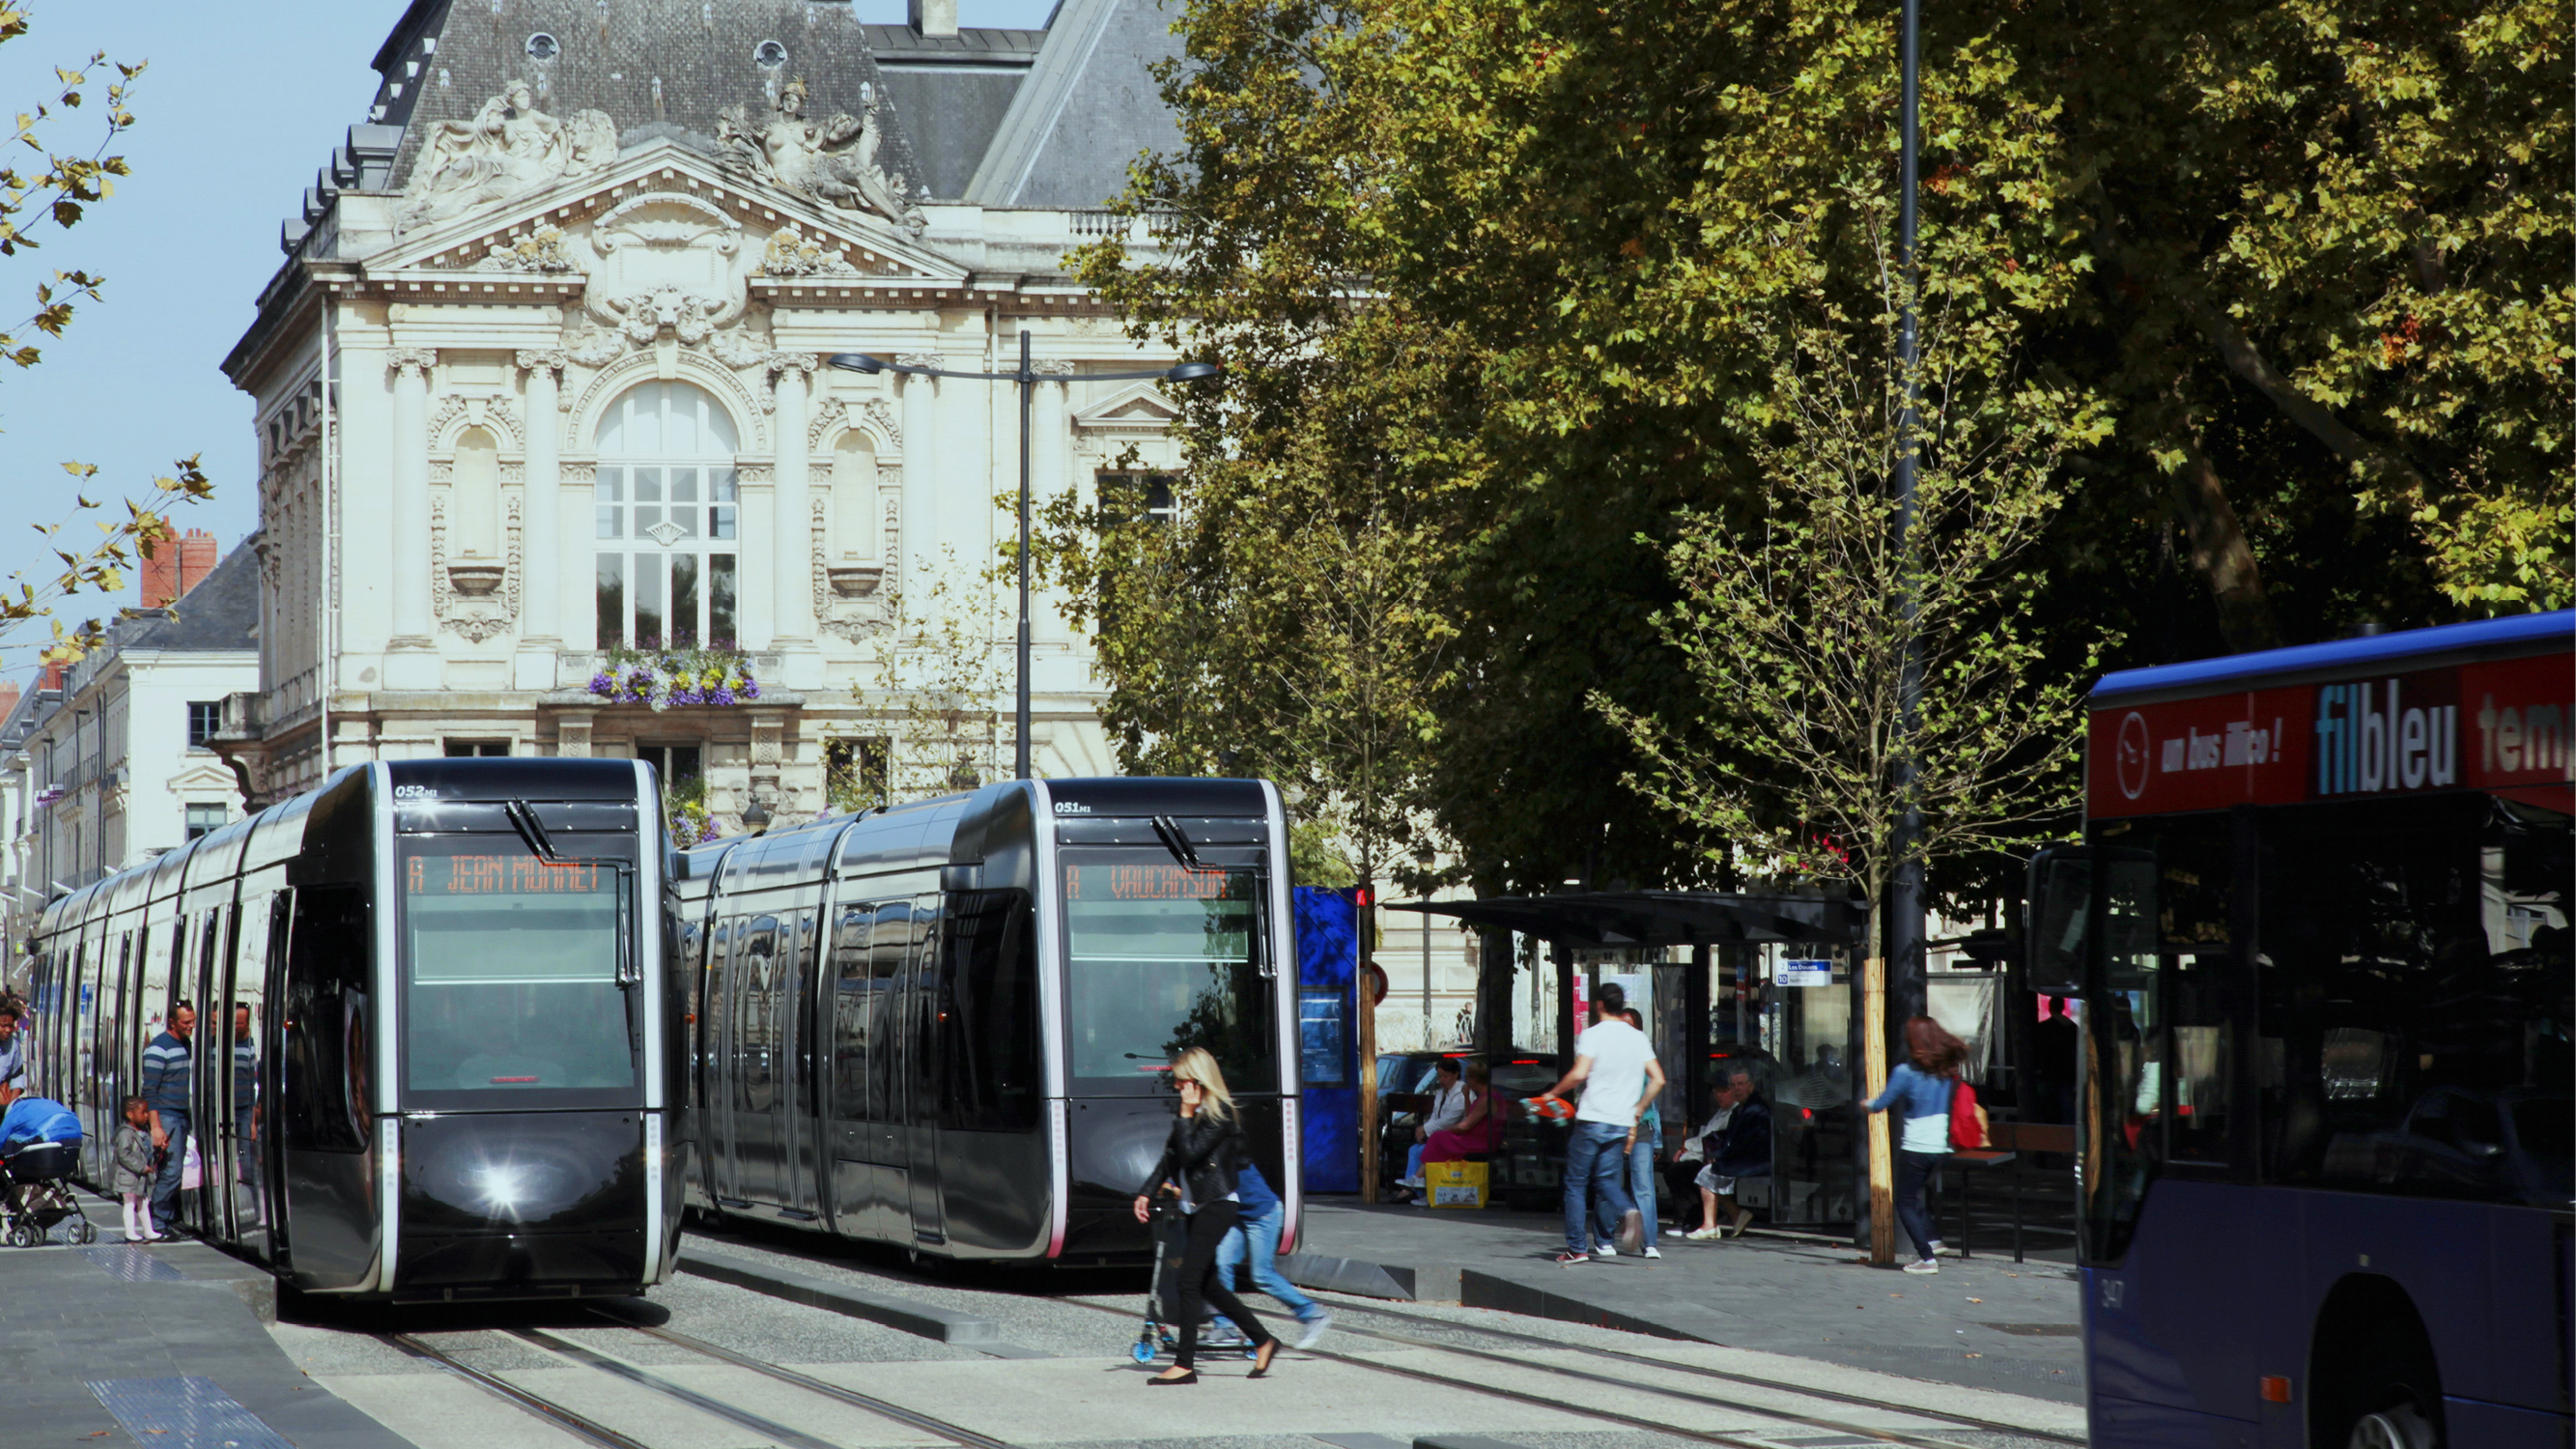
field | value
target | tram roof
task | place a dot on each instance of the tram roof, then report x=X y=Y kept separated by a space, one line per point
x=2521 y=634
x=1662 y=918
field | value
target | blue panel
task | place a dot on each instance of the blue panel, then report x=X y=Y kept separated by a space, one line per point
x=2493 y=1426
x=2127 y=1424
x=184 y=1413
x=1328 y=961
x=133 y=1265
x=2353 y=654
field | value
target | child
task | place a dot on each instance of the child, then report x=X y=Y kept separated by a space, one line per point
x=131 y=1175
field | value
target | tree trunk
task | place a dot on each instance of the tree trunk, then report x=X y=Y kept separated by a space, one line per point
x=1873 y=1056
x=2219 y=552
x=1362 y=981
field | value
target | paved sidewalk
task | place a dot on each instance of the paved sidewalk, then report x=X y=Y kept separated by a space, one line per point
x=186 y=1358
x=1985 y=1323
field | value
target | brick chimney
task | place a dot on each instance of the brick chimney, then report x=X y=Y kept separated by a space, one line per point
x=51 y=677
x=176 y=566
x=8 y=696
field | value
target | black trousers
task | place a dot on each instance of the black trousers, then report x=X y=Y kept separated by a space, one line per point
x=1200 y=1288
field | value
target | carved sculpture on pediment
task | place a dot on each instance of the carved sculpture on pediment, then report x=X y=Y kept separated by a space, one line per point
x=541 y=250
x=508 y=149
x=790 y=255
x=832 y=162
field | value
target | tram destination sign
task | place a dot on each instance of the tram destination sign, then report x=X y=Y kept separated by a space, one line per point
x=2496 y=725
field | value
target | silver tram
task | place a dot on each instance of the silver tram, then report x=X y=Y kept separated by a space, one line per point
x=947 y=1026
x=436 y=1041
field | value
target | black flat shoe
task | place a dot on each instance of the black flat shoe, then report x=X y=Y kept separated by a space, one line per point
x=1261 y=1363
x=1160 y=1382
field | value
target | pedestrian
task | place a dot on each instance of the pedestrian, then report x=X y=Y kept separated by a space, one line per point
x=1201 y=1159
x=1735 y=1145
x=1448 y=1109
x=14 y=1081
x=1619 y=1077
x=130 y=1171
x=1254 y=1244
x=166 y=1073
x=1921 y=1085
x=1643 y=1148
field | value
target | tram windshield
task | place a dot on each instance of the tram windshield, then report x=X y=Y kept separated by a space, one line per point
x=1163 y=958
x=511 y=992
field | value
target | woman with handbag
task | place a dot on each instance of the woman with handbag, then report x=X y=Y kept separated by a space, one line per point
x=1201 y=1156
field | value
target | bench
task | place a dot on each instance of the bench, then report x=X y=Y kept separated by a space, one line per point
x=2011 y=1145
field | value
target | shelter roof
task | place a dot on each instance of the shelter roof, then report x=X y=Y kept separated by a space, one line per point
x=1662 y=918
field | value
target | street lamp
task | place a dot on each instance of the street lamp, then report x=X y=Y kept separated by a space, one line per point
x=755 y=816
x=1027 y=379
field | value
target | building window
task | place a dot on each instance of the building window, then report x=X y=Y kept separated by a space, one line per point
x=1125 y=495
x=205 y=819
x=478 y=749
x=205 y=719
x=676 y=764
x=664 y=511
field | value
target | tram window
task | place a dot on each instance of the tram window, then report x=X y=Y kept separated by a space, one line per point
x=510 y=977
x=1162 y=959
x=989 y=1013
x=2414 y=1001
x=325 y=1095
x=852 y=1005
x=889 y=943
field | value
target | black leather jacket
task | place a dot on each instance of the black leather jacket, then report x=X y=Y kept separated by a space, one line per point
x=1204 y=1151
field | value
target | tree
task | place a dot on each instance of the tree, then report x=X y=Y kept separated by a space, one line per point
x=57 y=196
x=940 y=680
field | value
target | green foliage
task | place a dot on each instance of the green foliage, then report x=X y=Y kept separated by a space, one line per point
x=58 y=193
x=1315 y=856
x=939 y=678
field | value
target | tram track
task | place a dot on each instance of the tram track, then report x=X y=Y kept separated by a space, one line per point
x=591 y=1430
x=1789 y=1418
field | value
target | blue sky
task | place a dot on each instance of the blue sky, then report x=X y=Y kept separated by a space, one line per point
x=243 y=102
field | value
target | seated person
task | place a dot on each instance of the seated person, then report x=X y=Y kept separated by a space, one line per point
x=1736 y=1144
x=1476 y=1131
x=1448 y=1109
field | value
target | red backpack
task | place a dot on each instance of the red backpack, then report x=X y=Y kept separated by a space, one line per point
x=1967 y=1119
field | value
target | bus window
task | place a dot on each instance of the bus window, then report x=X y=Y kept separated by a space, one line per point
x=2127 y=1047
x=2414 y=1009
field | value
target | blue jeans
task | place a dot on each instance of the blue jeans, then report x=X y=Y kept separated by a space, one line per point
x=1595 y=1161
x=165 y=1187
x=1913 y=1184
x=1641 y=1189
x=1256 y=1239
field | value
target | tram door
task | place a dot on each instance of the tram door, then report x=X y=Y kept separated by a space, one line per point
x=797 y=1169
x=758 y=1039
x=886 y=1203
x=849 y=1009
x=922 y=1005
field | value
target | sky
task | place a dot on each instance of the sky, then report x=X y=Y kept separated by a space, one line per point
x=242 y=103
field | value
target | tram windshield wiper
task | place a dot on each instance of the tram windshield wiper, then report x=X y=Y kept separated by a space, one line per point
x=1168 y=830
x=523 y=818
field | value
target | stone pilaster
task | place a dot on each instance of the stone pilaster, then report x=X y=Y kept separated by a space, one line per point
x=541 y=609
x=412 y=662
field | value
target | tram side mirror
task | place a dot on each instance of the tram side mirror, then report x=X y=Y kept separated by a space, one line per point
x=2061 y=895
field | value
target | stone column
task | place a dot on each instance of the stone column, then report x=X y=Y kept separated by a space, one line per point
x=541 y=563
x=919 y=546
x=1050 y=475
x=413 y=661
x=792 y=554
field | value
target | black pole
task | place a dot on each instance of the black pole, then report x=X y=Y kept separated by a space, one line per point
x=1028 y=387
x=1905 y=925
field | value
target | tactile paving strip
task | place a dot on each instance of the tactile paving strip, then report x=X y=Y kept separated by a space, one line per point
x=133 y=1265
x=184 y=1413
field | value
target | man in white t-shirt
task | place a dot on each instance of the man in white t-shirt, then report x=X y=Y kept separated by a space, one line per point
x=1616 y=1068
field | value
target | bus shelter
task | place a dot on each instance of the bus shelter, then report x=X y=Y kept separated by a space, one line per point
x=1767 y=984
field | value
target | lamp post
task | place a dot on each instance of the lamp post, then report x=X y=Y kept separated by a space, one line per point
x=1027 y=379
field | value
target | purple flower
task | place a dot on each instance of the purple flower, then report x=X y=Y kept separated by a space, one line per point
x=719 y=696
x=750 y=689
x=707 y=831
x=684 y=695
x=603 y=683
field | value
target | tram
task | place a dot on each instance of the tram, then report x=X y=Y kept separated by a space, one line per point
x=435 y=1039
x=948 y=1026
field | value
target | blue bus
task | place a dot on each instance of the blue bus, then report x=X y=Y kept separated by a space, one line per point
x=2318 y=926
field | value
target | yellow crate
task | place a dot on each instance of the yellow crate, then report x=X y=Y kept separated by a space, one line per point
x=1454 y=1184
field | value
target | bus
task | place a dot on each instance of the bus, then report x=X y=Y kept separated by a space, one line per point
x=2318 y=925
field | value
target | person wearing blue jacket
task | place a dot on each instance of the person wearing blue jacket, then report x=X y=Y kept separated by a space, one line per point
x=1255 y=1240
x=1921 y=1087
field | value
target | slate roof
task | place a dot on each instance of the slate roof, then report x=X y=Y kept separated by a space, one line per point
x=953 y=92
x=1088 y=107
x=221 y=612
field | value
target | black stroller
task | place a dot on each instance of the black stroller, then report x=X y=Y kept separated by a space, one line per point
x=1161 y=1333
x=39 y=1151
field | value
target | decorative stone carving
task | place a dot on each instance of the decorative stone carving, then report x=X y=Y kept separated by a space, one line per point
x=1052 y=367
x=800 y=363
x=847 y=599
x=540 y=251
x=739 y=347
x=642 y=316
x=921 y=359
x=456 y=411
x=509 y=148
x=790 y=255
x=478 y=600
x=402 y=360
x=592 y=346
x=832 y=162
x=550 y=359
x=838 y=413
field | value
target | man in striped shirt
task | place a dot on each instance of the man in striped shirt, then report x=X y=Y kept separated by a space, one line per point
x=165 y=1092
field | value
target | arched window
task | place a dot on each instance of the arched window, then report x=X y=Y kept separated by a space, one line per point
x=854 y=488
x=665 y=502
x=477 y=488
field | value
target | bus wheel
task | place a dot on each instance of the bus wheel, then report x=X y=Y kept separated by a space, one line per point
x=2395 y=1428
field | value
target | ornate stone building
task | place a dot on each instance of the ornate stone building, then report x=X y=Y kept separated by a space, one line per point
x=541 y=381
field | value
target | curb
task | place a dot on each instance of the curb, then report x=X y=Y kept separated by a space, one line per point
x=897 y=1313
x=1426 y=1283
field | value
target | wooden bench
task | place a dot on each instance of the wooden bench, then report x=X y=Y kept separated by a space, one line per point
x=2017 y=1143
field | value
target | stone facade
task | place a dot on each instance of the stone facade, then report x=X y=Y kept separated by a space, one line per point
x=543 y=377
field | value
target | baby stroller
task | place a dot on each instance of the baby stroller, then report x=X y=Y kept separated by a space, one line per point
x=39 y=1149
x=1161 y=1333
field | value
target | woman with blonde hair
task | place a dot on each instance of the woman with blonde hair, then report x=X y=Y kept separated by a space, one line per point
x=1201 y=1157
